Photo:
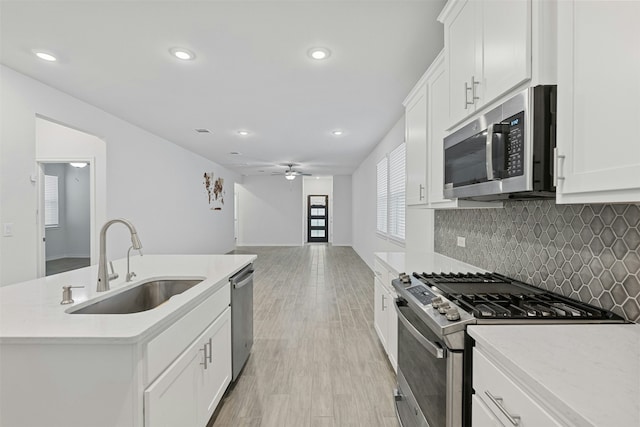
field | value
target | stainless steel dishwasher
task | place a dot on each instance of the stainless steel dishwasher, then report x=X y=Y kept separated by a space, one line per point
x=241 y=318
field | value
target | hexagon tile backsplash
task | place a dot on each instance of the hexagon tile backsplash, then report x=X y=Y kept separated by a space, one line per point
x=587 y=252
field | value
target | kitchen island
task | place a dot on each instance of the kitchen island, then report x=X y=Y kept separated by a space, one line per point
x=167 y=365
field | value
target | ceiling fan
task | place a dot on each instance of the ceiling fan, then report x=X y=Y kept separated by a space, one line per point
x=290 y=173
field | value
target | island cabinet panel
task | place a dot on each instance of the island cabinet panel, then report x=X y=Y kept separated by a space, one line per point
x=188 y=391
x=165 y=348
x=68 y=385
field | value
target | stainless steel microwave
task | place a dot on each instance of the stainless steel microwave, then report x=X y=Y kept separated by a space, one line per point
x=506 y=153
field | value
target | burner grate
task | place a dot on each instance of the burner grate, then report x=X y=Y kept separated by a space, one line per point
x=494 y=296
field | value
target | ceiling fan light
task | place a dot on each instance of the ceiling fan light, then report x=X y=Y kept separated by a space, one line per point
x=290 y=175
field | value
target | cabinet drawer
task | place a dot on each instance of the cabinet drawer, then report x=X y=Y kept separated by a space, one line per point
x=507 y=401
x=163 y=349
x=381 y=272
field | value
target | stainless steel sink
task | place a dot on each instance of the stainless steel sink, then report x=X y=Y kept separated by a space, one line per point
x=143 y=297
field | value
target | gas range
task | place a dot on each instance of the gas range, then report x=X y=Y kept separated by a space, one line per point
x=434 y=352
x=447 y=302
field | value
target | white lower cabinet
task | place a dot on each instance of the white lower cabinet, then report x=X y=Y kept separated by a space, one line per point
x=187 y=392
x=384 y=314
x=481 y=415
x=498 y=400
x=379 y=314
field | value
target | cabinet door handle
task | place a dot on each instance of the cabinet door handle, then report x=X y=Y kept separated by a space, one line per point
x=210 y=351
x=421 y=191
x=513 y=419
x=556 y=167
x=204 y=362
x=467 y=89
x=382 y=305
x=474 y=83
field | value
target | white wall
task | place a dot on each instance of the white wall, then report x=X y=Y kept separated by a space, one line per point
x=269 y=212
x=342 y=210
x=365 y=239
x=316 y=186
x=154 y=183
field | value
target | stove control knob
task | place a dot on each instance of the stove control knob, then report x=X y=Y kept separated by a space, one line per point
x=436 y=302
x=453 y=314
x=442 y=308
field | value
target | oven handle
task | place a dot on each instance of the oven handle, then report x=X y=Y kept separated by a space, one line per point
x=434 y=349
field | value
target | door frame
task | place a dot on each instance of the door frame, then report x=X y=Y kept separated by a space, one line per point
x=324 y=239
x=40 y=235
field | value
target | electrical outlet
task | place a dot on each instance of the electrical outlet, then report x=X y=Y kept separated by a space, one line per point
x=462 y=242
x=7 y=229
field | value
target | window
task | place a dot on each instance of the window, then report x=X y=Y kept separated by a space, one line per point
x=50 y=201
x=390 y=194
x=381 y=195
x=397 y=162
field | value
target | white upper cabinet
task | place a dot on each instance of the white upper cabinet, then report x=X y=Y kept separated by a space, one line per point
x=416 y=140
x=598 y=110
x=463 y=43
x=426 y=116
x=488 y=45
x=506 y=46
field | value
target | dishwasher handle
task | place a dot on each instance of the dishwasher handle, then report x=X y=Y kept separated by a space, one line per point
x=238 y=282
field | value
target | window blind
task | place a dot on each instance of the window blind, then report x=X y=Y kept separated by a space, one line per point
x=50 y=200
x=382 y=178
x=397 y=177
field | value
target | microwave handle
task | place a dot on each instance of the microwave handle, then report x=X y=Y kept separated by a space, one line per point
x=435 y=350
x=490 y=176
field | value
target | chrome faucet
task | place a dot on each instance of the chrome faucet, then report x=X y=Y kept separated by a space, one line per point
x=103 y=276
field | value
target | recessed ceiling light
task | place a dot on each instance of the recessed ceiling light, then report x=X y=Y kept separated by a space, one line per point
x=319 y=53
x=235 y=153
x=182 y=53
x=243 y=132
x=203 y=130
x=337 y=132
x=45 y=56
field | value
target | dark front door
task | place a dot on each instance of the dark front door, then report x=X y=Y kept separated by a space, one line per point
x=318 y=224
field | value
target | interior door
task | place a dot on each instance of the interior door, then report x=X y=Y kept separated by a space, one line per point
x=318 y=218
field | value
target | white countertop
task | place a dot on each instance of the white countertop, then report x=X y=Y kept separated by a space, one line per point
x=402 y=262
x=589 y=374
x=31 y=311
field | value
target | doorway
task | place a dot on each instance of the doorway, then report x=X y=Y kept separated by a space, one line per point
x=65 y=202
x=318 y=218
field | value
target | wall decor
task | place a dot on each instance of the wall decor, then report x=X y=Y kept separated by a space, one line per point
x=587 y=252
x=215 y=190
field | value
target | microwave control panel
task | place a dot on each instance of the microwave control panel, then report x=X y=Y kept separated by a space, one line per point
x=514 y=158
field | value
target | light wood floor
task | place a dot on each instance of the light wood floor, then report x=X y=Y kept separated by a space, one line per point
x=316 y=359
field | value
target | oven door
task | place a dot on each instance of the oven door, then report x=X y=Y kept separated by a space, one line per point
x=429 y=375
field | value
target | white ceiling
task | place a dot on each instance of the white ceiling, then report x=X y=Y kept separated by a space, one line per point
x=251 y=72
